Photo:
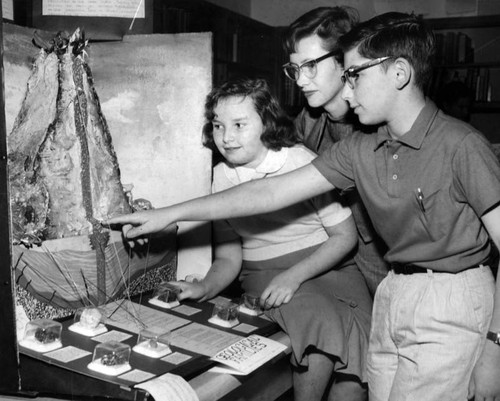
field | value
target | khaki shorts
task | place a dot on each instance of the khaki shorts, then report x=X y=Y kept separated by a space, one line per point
x=428 y=330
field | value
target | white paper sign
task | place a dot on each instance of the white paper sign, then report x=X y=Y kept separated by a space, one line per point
x=95 y=8
x=247 y=354
x=8 y=9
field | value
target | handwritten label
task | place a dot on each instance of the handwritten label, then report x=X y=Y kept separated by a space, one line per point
x=95 y=8
x=247 y=354
x=137 y=376
x=68 y=354
x=176 y=358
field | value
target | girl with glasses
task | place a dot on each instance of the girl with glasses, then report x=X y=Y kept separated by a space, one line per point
x=316 y=65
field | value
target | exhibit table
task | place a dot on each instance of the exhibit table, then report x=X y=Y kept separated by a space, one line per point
x=68 y=370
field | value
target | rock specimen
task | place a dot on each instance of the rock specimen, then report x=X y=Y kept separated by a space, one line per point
x=64 y=175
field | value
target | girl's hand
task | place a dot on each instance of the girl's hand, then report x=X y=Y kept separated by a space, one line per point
x=195 y=290
x=279 y=291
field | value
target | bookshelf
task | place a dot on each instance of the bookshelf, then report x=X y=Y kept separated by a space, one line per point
x=468 y=49
x=291 y=97
x=241 y=45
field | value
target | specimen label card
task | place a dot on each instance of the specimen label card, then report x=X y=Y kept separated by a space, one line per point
x=113 y=335
x=137 y=376
x=186 y=310
x=68 y=354
x=202 y=339
x=93 y=8
x=245 y=328
x=134 y=317
x=176 y=358
x=218 y=299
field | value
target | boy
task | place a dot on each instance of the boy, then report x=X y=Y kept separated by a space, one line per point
x=431 y=177
x=431 y=186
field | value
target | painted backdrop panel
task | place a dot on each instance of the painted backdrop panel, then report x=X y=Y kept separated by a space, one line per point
x=152 y=90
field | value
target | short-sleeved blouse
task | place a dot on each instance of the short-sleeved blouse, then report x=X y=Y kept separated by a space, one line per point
x=293 y=228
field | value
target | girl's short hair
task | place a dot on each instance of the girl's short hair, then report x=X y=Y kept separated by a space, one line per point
x=329 y=23
x=279 y=130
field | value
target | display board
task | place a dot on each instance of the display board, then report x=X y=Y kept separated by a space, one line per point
x=151 y=91
x=194 y=339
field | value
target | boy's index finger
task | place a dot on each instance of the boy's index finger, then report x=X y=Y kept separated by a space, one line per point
x=112 y=222
x=105 y=224
x=111 y=225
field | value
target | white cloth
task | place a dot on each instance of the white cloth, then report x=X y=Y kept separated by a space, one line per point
x=169 y=387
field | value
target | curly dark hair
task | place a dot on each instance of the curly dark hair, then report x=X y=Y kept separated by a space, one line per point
x=279 y=130
x=397 y=35
x=329 y=23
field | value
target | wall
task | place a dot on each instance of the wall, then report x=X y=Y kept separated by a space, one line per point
x=282 y=12
x=243 y=7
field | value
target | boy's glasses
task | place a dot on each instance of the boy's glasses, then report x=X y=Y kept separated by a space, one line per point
x=351 y=74
x=309 y=68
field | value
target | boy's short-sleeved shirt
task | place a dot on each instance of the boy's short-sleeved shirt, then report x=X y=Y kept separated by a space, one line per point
x=446 y=161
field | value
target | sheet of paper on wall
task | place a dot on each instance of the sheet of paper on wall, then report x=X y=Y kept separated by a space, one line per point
x=100 y=19
x=92 y=8
x=8 y=9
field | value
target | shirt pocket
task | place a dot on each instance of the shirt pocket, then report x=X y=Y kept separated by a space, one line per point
x=434 y=213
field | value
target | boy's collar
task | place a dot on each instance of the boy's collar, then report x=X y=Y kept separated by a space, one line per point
x=416 y=135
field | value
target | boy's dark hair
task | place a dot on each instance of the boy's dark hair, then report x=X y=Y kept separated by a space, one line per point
x=279 y=130
x=329 y=23
x=397 y=35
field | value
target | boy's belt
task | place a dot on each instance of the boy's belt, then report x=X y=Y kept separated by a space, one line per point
x=403 y=268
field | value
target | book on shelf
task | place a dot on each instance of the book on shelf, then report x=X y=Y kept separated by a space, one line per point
x=172 y=19
x=246 y=355
x=453 y=47
x=477 y=79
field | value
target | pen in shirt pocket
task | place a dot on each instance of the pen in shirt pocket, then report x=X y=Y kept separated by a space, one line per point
x=420 y=199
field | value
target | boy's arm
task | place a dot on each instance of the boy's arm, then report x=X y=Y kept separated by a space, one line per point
x=342 y=240
x=251 y=198
x=484 y=383
x=224 y=269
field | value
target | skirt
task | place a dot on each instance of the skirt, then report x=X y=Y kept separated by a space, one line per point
x=330 y=314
